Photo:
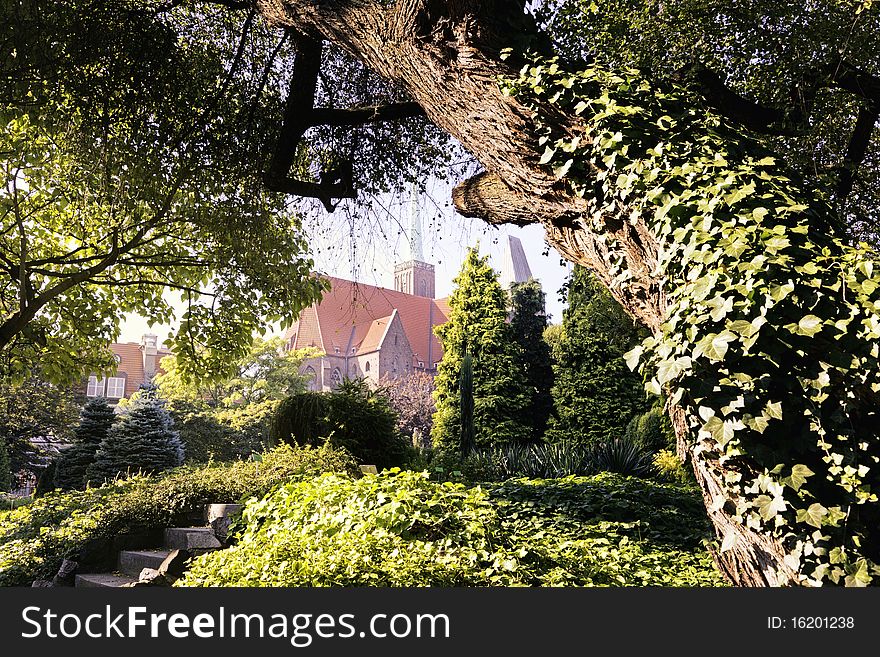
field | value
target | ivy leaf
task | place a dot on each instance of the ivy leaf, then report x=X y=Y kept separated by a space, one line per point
x=560 y=172
x=774 y=410
x=809 y=325
x=715 y=346
x=632 y=357
x=799 y=474
x=739 y=194
x=812 y=515
x=547 y=156
x=768 y=506
x=729 y=541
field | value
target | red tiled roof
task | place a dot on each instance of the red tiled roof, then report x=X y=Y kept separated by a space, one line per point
x=350 y=310
x=131 y=364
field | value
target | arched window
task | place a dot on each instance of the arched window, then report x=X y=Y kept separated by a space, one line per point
x=336 y=377
x=423 y=288
x=394 y=365
x=367 y=367
x=395 y=339
x=311 y=378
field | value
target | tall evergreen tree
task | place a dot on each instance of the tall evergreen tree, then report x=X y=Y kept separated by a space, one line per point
x=528 y=321
x=5 y=468
x=478 y=323
x=95 y=421
x=595 y=394
x=143 y=440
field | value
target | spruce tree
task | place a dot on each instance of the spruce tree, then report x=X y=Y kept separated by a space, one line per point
x=595 y=394
x=143 y=440
x=5 y=468
x=528 y=320
x=478 y=322
x=95 y=421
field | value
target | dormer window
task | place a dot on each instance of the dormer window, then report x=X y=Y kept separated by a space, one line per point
x=336 y=350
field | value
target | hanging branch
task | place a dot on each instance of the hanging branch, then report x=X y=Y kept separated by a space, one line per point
x=300 y=114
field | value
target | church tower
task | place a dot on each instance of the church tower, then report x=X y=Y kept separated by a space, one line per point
x=415 y=276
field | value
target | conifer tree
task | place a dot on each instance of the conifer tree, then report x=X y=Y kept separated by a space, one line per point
x=595 y=394
x=95 y=421
x=478 y=323
x=528 y=320
x=143 y=440
x=5 y=468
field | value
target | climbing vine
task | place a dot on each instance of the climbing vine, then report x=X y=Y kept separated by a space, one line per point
x=770 y=342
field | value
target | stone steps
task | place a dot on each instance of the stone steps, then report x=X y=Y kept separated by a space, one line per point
x=132 y=563
x=103 y=580
x=191 y=538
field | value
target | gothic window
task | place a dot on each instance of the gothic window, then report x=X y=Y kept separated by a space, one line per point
x=395 y=339
x=423 y=288
x=367 y=367
x=336 y=377
x=311 y=378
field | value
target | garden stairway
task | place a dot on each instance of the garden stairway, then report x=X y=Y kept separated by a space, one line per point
x=188 y=541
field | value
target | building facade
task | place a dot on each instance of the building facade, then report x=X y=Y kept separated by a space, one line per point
x=136 y=364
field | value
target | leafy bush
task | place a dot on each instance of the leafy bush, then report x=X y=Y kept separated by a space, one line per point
x=403 y=529
x=35 y=538
x=670 y=468
x=218 y=435
x=354 y=418
x=651 y=431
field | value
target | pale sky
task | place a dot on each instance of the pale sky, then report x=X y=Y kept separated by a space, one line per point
x=370 y=257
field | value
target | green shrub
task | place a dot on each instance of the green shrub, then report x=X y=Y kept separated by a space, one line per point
x=670 y=468
x=403 y=529
x=651 y=431
x=354 y=418
x=35 y=538
x=623 y=457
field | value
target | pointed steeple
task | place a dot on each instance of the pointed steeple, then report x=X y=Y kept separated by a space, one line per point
x=515 y=267
x=415 y=276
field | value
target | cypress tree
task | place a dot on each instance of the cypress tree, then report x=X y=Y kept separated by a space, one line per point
x=478 y=323
x=595 y=394
x=5 y=468
x=95 y=421
x=528 y=320
x=143 y=440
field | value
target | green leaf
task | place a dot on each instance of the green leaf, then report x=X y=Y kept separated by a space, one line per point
x=799 y=474
x=768 y=506
x=813 y=515
x=715 y=346
x=809 y=325
x=774 y=410
x=632 y=357
x=547 y=156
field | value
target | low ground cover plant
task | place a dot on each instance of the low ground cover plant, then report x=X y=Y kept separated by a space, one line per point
x=405 y=529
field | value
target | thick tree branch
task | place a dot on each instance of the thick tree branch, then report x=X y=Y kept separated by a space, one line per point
x=754 y=116
x=858 y=147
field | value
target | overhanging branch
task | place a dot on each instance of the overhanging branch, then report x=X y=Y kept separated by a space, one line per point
x=300 y=114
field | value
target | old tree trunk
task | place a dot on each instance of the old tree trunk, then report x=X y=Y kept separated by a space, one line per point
x=764 y=323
